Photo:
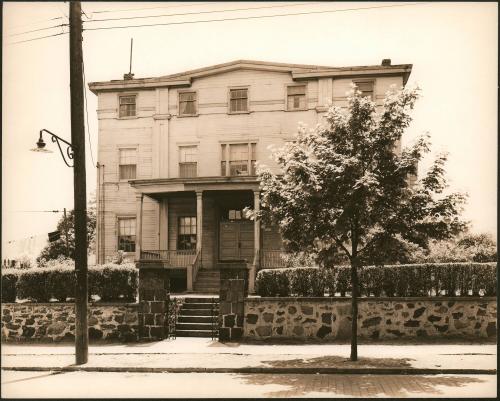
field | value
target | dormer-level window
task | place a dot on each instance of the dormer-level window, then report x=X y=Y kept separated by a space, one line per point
x=187 y=103
x=366 y=88
x=296 y=97
x=238 y=100
x=127 y=106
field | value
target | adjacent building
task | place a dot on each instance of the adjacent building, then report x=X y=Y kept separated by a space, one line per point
x=177 y=158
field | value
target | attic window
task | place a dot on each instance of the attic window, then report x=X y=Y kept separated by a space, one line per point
x=366 y=88
x=127 y=106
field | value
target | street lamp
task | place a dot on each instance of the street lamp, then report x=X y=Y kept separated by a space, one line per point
x=40 y=146
x=80 y=212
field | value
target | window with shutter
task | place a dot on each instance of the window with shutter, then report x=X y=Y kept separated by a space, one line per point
x=366 y=88
x=296 y=97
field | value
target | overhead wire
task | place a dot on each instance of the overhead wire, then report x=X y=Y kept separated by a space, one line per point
x=152 y=8
x=203 y=12
x=253 y=17
x=38 y=38
x=38 y=30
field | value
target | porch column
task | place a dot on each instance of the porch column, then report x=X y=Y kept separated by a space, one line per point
x=139 y=199
x=199 y=219
x=256 y=243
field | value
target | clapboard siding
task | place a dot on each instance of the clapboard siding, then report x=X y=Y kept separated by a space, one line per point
x=158 y=131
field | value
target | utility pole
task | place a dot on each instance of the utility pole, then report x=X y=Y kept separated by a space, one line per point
x=66 y=233
x=80 y=195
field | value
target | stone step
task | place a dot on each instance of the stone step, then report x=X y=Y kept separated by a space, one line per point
x=197 y=312
x=192 y=305
x=194 y=326
x=194 y=333
x=195 y=319
x=196 y=300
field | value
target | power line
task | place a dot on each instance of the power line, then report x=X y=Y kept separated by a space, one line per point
x=151 y=8
x=37 y=30
x=41 y=37
x=254 y=17
x=36 y=22
x=203 y=12
x=36 y=211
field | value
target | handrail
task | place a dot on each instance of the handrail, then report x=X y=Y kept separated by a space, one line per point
x=174 y=258
x=196 y=264
x=271 y=259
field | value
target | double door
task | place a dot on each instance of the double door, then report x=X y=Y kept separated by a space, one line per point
x=236 y=240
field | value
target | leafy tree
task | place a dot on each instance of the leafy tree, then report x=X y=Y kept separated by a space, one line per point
x=64 y=248
x=344 y=187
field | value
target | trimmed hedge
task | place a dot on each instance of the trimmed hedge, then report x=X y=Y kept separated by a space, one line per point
x=9 y=280
x=111 y=282
x=430 y=279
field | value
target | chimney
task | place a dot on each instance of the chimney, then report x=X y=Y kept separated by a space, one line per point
x=128 y=76
x=386 y=62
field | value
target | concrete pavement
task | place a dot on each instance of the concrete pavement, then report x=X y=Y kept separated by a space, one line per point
x=205 y=355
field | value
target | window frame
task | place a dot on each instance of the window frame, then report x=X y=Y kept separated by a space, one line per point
x=127 y=94
x=178 y=242
x=179 y=93
x=179 y=158
x=225 y=157
x=306 y=98
x=118 y=219
x=366 y=80
x=235 y=88
x=127 y=147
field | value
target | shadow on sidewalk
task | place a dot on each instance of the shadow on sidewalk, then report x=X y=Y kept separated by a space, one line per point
x=330 y=361
x=358 y=385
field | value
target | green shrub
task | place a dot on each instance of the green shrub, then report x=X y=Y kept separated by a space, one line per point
x=9 y=280
x=112 y=282
x=272 y=283
x=57 y=281
x=429 y=279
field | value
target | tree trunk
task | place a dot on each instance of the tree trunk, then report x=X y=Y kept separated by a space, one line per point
x=354 y=304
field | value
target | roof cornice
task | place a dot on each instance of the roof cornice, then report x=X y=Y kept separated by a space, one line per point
x=298 y=72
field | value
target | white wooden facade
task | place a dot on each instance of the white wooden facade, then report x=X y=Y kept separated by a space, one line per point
x=158 y=138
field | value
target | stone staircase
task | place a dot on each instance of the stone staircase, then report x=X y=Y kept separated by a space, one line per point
x=197 y=317
x=207 y=282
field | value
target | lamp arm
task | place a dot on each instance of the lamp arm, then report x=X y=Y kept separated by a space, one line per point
x=57 y=139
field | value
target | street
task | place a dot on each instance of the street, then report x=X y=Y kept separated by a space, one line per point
x=17 y=384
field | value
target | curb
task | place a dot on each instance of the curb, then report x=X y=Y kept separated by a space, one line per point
x=318 y=370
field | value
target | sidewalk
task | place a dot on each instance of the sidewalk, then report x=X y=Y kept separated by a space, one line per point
x=204 y=355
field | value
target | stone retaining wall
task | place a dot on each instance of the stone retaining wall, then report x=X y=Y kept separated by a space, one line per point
x=55 y=322
x=379 y=318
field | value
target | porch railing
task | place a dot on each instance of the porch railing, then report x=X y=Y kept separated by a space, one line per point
x=196 y=265
x=174 y=258
x=272 y=259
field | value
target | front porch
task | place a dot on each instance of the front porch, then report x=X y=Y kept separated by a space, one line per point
x=202 y=228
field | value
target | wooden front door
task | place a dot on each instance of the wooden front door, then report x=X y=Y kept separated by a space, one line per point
x=236 y=240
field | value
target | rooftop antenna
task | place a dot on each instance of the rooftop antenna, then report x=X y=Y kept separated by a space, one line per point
x=130 y=75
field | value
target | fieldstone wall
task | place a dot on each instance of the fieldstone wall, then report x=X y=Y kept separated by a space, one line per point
x=231 y=308
x=379 y=318
x=54 y=322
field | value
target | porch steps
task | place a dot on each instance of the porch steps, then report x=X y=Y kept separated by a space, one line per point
x=197 y=317
x=207 y=282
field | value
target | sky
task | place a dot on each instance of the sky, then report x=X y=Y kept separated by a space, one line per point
x=453 y=48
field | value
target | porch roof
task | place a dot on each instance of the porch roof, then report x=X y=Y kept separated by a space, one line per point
x=156 y=186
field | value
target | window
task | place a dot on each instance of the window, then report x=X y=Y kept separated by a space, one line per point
x=366 y=88
x=128 y=164
x=241 y=158
x=233 y=214
x=188 y=161
x=296 y=97
x=187 y=103
x=187 y=233
x=126 y=234
x=127 y=106
x=238 y=100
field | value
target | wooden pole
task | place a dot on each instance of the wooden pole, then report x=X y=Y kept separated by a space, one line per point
x=66 y=233
x=80 y=195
